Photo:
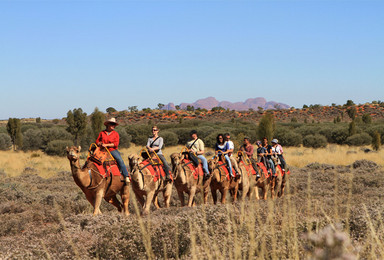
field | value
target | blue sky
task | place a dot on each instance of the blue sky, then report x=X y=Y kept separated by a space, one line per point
x=60 y=55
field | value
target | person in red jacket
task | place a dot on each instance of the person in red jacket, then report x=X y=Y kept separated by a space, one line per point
x=109 y=139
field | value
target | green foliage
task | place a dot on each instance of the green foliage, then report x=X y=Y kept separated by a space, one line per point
x=57 y=147
x=5 y=142
x=294 y=120
x=339 y=135
x=125 y=139
x=359 y=139
x=351 y=111
x=97 y=122
x=56 y=133
x=214 y=109
x=288 y=138
x=367 y=119
x=349 y=103
x=139 y=133
x=266 y=126
x=33 y=140
x=110 y=110
x=315 y=141
x=38 y=120
x=170 y=138
x=147 y=110
x=77 y=123
x=352 y=128
x=14 y=131
x=190 y=108
x=133 y=109
x=160 y=106
x=376 y=141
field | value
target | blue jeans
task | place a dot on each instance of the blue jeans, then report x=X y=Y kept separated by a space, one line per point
x=282 y=161
x=120 y=163
x=271 y=166
x=166 y=167
x=205 y=163
x=229 y=164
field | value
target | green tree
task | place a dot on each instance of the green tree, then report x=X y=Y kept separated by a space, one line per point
x=367 y=118
x=177 y=107
x=160 y=106
x=77 y=123
x=97 y=120
x=14 y=131
x=376 y=141
x=351 y=111
x=352 y=128
x=266 y=127
x=110 y=110
x=38 y=120
x=349 y=103
x=133 y=109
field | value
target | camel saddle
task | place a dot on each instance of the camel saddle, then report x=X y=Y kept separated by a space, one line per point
x=223 y=166
x=196 y=171
x=249 y=168
x=282 y=172
x=156 y=170
x=264 y=169
x=104 y=162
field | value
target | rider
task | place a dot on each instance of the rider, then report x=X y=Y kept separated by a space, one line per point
x=221 y=148
x=278 y=150
x=247 y=147
x=231 y=148
x=270 y=162
x=109 y=139
x=154 y=145
x=196 y=145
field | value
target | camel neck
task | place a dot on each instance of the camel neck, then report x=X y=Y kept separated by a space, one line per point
x=80 y=176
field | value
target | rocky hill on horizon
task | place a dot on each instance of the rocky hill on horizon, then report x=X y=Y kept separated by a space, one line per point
x=211 y=102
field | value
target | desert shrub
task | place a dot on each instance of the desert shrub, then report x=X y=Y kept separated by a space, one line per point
x=315 y=141
x=183 y=135
x=266 y=126
x=170 y=138
x=339 y=135
x=54 y=133
x=359 y=139
x=33 y=139
x=139 y=133
x=26 y=127
x=87 y=139
x=5 y=142
x=305 y=130
x=288 y=137
x=57 y=147
x=376 y=141
x=125 y=139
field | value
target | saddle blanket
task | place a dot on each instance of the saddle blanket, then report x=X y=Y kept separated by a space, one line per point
x=249 y=168
x=106 y=170
x=197 y=171
x=225 y=169
x=156 y=171
x=264 y=169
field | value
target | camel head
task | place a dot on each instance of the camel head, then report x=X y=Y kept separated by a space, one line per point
x=175 y=159
x=134 y=161
x=212 y=163
x=73 y=153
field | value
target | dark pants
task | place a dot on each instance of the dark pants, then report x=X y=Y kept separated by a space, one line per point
x=120 y=163
x=167 y=169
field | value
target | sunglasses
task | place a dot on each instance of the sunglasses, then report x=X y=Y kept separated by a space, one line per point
x=155 y=129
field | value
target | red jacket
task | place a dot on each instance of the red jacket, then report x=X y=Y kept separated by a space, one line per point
x=112 y=138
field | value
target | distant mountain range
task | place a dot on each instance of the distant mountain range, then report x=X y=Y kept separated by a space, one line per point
x=210 y=102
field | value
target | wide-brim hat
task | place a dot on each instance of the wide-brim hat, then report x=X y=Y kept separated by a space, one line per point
x=111 y=121
x=275 y=141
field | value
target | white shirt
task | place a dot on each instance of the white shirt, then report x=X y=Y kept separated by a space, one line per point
x=231 y=146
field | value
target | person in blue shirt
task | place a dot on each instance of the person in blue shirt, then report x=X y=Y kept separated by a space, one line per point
x=222 y=148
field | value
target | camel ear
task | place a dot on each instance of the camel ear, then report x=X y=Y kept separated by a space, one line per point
x=79 y=148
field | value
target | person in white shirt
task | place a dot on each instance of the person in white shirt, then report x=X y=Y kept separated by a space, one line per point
x=231 y=147
x=277 y=149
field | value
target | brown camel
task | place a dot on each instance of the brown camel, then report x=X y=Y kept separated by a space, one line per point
x=278 y=182
x=246 y=180
x=95 y=186
x=185 y=181
x=219 y=181
x=143 y=184
x=263 y=182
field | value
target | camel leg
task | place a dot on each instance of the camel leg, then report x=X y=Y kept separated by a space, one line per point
x=273 y=183
x=115 y=202
x=223 y=194
x=205 y=197
x=181 y=197
x=256 y=189
x=167 y=196
x=98 y=198
x=235 y=194
x=124 y=193
x=214 y=196
x=191 y=196
x=156 y=201
x=140 y=199
x=148 y=202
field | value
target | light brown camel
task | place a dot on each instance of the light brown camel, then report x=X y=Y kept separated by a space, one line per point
x=95 y=186
x=143 y=184
x=246 y=180
x=263 y=182
x=278 y=182
x=219 y=181
x=185 y=181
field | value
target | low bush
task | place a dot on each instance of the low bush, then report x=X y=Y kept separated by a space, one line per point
x=170 y=138
x=359 y=139
x=288 y=137
x=32 y=139
x=315 y=141
x=5 y=142
x=57 y=147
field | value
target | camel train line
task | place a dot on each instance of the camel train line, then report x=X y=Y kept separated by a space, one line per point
x=100 y=178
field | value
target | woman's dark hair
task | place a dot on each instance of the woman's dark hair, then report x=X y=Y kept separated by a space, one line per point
x=218 y=139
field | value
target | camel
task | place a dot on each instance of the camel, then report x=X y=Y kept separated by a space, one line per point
x=143 y=184
x=220 y=182
x=185 y=182
x=263 y=182
x=95 y=186
x=247 y=180
x=278 y=182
